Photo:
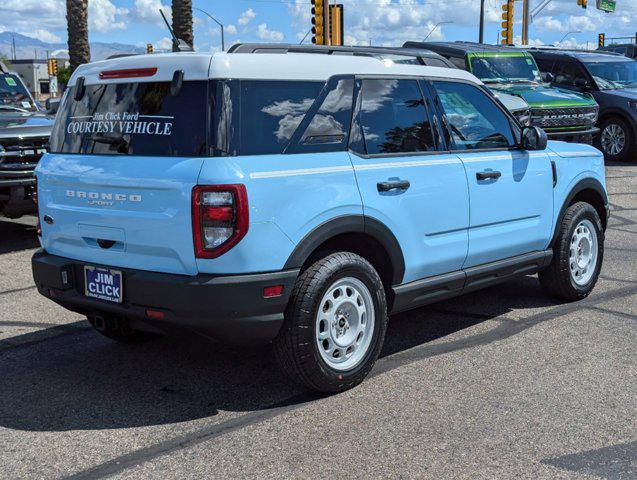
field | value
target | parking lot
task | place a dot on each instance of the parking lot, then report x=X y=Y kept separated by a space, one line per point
x=501 y=383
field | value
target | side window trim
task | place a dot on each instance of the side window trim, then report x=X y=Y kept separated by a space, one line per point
x=295 y=145
x=356 y=115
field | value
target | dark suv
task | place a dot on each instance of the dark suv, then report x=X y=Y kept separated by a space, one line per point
x=24 y=136
x=612 y=80
x=626 y=49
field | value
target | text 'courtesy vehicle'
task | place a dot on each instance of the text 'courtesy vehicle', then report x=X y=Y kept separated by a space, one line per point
x=269 y=197
x=612 y=80
x=24 y=138
x=564 y=114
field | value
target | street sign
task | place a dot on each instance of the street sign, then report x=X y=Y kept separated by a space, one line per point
x=606 y=5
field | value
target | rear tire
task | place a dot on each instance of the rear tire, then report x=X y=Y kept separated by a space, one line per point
x=335 y=324
x=578 y=254
x=119 y=329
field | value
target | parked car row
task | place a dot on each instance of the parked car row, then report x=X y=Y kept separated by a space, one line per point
x=301 y=199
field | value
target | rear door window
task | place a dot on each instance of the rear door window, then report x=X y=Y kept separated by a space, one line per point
x=142 y=119
x=271 y=111
x=393 y=117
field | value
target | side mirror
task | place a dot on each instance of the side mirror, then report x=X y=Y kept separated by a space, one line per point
x=534 y=138
x=52 y=105
x=548 y=77
x=581 y=83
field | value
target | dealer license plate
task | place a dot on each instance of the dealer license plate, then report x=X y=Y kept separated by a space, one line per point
x=103 y=283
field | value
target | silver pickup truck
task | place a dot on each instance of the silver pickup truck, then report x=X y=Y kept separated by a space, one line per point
x=25 y=128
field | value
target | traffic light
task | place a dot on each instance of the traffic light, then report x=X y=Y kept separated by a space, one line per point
x=601 y=40
x=582 y=3
x=149 y=48
x=319 y=21
x=336 y=25
x=52 y=67
x=507 y=24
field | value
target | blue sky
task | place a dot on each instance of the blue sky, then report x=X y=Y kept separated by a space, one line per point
x=381 y=22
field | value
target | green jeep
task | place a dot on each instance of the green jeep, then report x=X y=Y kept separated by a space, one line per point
x=563 y=114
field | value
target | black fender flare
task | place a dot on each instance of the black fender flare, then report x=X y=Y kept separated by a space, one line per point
x=584 y=184
x=350 y=224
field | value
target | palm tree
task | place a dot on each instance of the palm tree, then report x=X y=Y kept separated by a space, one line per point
x=77 y=26
x=182 y=20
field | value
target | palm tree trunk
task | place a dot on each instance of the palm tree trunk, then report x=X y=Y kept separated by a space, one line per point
x=182 y=20
x=77 y=25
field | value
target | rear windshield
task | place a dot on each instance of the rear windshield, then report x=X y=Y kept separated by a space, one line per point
x=142 y=119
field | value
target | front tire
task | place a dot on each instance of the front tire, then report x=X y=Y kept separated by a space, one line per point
x=577 y=254
x=616 y=140
x=334 y=325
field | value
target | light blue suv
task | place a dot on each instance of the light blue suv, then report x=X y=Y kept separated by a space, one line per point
x=273 y=197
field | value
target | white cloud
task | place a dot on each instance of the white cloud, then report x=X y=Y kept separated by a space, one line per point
x=103 y=16
x=231 y=30
x=164 y=43
x=269 y=35
x=246 y=17
x=148 y=11
x=43 y=35
x=389 y=23
x=29 y=15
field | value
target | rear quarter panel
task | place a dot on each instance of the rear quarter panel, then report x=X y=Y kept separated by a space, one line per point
x=288 y=196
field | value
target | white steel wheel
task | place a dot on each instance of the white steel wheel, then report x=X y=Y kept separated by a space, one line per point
x=345 y=324
x=613 y=139
x=583 y=252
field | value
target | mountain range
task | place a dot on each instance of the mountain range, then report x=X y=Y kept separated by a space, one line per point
x=28 y=48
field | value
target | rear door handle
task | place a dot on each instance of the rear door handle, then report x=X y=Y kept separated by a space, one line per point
x=488 y=174
x=393 y=185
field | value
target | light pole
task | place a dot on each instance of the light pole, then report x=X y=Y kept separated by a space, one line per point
x=567 y=34
x=223 y=43
x=435 y=26
x=481 y=37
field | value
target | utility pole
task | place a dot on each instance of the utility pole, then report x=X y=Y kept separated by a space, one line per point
x=481 y=38
x=526 y=21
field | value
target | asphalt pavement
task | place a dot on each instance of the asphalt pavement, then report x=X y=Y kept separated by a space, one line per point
x=501 y=383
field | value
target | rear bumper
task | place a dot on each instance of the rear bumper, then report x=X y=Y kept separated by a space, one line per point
x=229 y=308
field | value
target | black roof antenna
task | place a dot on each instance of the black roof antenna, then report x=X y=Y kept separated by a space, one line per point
x=178 y=43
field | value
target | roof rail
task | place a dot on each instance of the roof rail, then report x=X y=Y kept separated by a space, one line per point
x=417 y=53
x=549 y=48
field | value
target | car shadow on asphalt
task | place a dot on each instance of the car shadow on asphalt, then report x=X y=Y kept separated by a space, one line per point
x=15 y=237
x=78 y=380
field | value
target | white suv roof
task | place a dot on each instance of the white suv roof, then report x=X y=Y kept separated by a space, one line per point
x=292 y=66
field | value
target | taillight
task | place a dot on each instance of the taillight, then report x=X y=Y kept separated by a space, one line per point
x=220 y=218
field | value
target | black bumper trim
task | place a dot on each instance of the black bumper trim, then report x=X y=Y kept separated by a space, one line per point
x=571 y=133
x=228 y=307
